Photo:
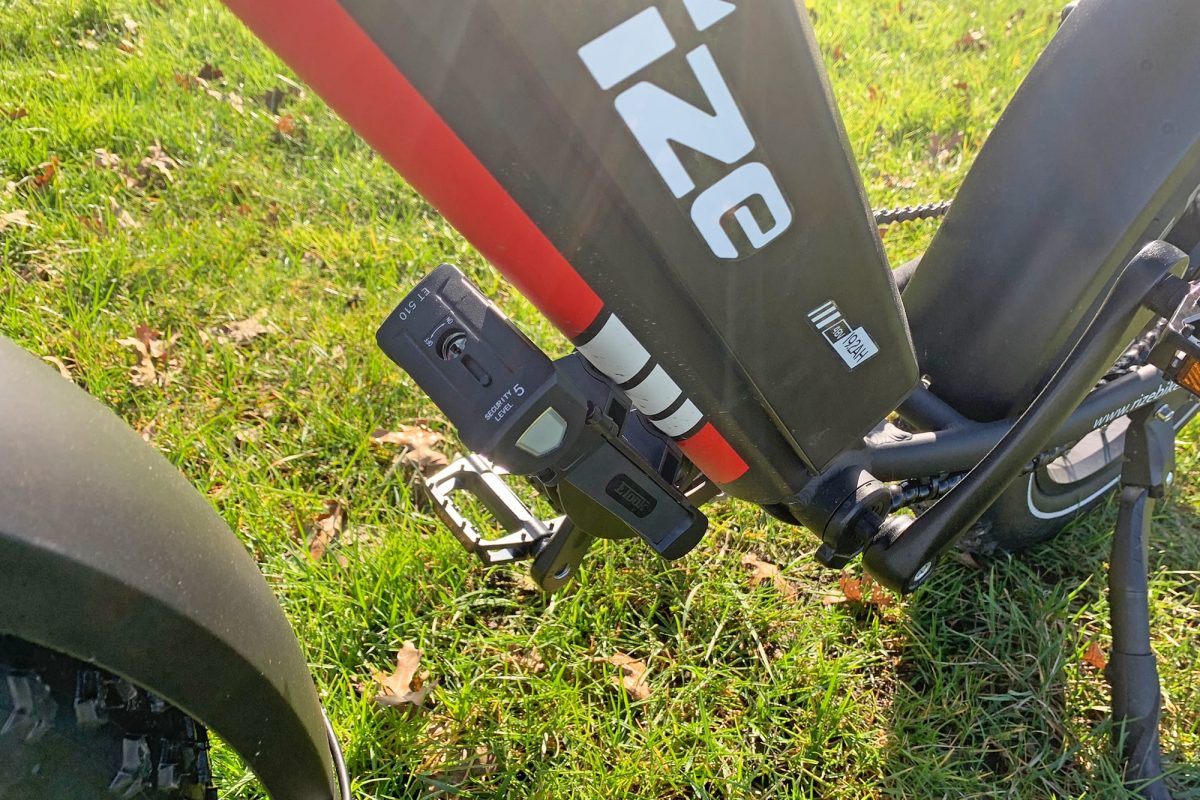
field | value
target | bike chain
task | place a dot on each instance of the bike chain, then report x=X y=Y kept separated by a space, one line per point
x=891 y=216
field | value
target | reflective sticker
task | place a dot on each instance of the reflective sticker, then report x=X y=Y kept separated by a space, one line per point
x=615 y=352
x=656 y=393
x=682 y=421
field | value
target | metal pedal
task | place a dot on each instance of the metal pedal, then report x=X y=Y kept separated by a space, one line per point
x=479 y=478
x=1177 y=353
x=555 y=546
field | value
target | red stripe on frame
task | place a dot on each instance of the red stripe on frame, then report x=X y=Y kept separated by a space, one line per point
x=713 y=454
x=325 y=46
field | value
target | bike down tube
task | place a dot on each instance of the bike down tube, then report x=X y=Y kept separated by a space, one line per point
x=905 y=560
x=514 y=121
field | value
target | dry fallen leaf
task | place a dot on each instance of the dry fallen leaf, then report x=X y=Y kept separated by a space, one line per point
x=155 y=356
x=46 y=172
x=633 y=674
x=448 y=760
x=62 y=368
x=941 y=148
x=274 y=99
x=972 y=40
x=19 y=112
x=16 y=217
x=107 y=160
x=864 y=590
x=1095 y=656
x=526 y=660
x=286 y=124
x=123 y=217
x=763 y=571
x=403 y=688
x=892 y=182
x=156 y=168
x=245 y=330
x=234 y=99
x=419 y=447
x=325 y=528
x=210 y=73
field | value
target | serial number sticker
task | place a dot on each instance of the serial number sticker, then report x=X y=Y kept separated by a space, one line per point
x=853 y=345
x=856 y=347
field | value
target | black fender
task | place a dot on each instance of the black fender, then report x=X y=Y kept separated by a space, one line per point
x=109 y=555
x=1097 y=151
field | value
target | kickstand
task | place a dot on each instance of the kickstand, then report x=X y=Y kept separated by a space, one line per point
x=1132 y=671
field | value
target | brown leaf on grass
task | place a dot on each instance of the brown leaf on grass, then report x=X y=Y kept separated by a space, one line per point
x=155 y=170
x=529 y=661
x=404 y=688
x=20 y=112
x=243 y=331
x=131 y=25
x=274 y=98
x=62 y=368
x=942 y=148
x=448 y=760
x=185 y=81
x=892 y=182
x=46 y=173
x=864 y=590
x=633 y=674
x=155 y=356
x=234 y=99
x=18 y=217
x=962 y=86
x=210 y=73
x=1094 y=656
x=123 y=217
x=467 y=764
x=419 y=447
x=1016 y=17
x=972 y=40
x=111 y=161
x=764 y=571
x=286 y=124
x=324 y=529
x=107 y=160
x=838 y=53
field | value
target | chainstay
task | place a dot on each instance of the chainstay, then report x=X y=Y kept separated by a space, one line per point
x=915 y=491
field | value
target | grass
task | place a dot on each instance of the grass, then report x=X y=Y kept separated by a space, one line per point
x=974 y=687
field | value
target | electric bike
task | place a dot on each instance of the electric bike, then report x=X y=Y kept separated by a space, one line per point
x=670 y=184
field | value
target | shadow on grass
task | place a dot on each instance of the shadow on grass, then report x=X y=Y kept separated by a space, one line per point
x=994 y=695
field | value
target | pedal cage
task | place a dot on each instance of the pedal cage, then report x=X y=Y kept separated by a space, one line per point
x=476 y=476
